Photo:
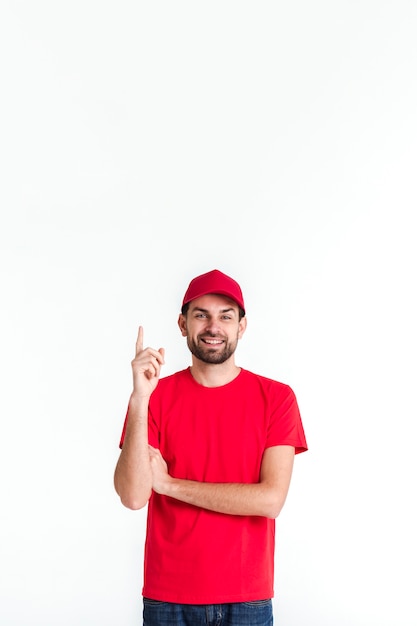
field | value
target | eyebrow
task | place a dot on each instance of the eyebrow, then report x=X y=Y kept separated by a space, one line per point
x=197 y=308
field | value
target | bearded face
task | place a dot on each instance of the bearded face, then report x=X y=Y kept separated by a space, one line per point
x=213 y=327
x=212 y=348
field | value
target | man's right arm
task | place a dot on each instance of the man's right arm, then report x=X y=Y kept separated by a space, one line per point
x=133 y=475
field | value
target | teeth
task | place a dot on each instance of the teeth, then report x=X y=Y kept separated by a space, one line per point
x=212 y=341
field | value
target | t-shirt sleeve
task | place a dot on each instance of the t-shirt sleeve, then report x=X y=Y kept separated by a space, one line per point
x=153 y=437
x=285 y=425
x=122 y=438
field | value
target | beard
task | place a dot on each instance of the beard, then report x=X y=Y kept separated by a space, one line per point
x=205 y=353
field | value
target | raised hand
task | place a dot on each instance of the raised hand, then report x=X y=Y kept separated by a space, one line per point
x=146 y=367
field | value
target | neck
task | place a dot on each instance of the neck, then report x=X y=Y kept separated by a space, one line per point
x=214 y=374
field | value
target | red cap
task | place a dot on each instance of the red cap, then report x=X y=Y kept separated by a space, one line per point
x=214 y=282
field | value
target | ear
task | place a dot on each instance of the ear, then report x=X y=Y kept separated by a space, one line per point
x=242 y=327
x=182 y=323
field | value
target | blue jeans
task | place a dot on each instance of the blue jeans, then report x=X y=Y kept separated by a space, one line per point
x=258 y=613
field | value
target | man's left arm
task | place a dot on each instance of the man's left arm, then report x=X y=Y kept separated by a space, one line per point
x=265 y=498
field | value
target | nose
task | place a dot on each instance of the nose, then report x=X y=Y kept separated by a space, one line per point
x=212 y=326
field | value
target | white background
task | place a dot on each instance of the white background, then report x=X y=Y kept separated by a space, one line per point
x=143 y=143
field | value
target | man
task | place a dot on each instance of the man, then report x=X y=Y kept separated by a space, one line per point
x=211 y=448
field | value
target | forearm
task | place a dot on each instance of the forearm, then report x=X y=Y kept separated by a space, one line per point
x=264 y=498
x=231 y=498
x=133 y=476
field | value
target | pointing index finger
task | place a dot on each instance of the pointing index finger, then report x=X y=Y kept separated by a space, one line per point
x=139 y=341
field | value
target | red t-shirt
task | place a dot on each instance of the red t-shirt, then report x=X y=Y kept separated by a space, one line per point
x=214 y=434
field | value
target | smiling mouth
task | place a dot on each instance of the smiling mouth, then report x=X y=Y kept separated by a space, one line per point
x=209 y=341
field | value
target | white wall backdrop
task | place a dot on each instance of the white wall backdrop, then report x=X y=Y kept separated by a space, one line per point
x=143 y=143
